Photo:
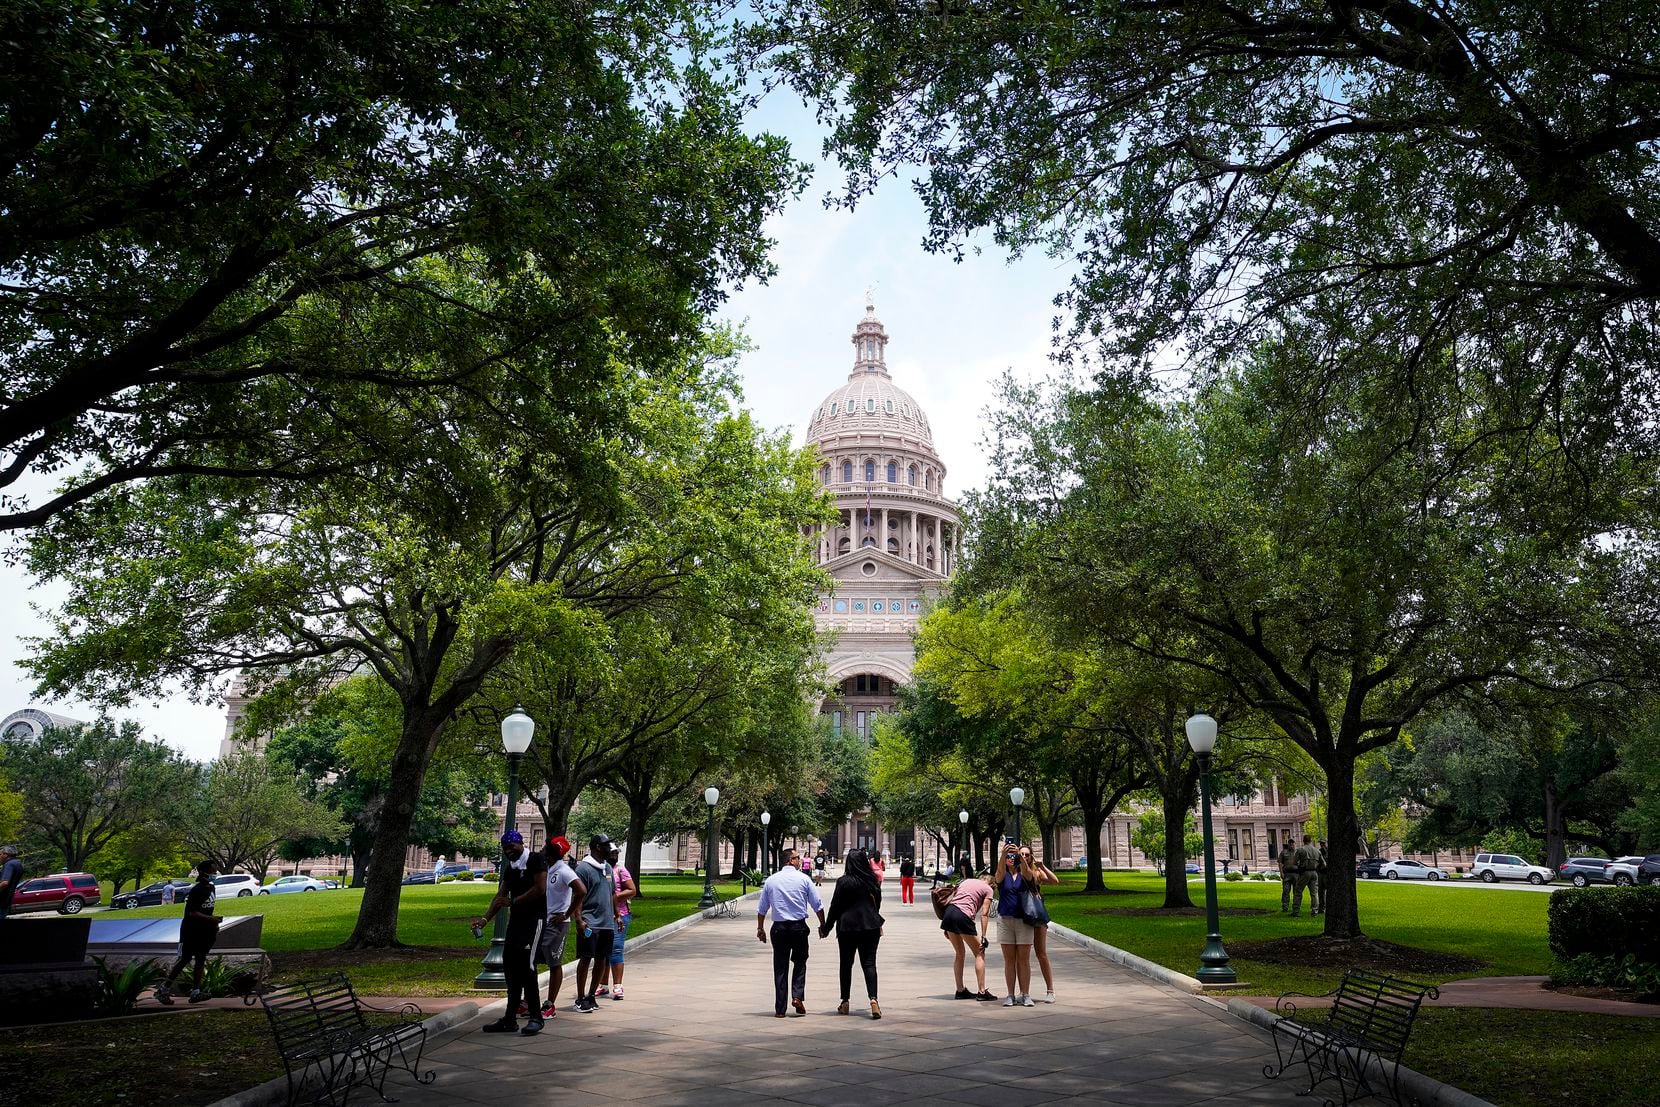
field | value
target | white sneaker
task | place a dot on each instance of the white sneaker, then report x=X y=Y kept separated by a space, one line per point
x=1010 y=1002
x=1026 y=1001
x=1050 y=998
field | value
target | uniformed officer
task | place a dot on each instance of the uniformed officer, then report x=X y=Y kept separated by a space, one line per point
x=1288 y=875
x=1308 y=876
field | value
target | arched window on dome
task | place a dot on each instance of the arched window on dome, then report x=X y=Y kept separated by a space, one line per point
x=890 y=407
x=893 y=472
x=870 y=470
x=824 y=474
x=847 y=472
x=832 y=409
x=911 y=472
x=870 y=406
x=928 y=480
x=844 y=545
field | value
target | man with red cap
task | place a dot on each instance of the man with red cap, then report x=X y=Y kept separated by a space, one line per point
x=564 y=888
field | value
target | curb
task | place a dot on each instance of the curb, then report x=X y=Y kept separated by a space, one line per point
x=448 y=1025
x=1427 y=1090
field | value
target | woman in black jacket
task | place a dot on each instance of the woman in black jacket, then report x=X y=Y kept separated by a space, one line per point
x=858 y=922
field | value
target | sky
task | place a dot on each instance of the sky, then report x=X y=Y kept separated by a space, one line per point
x=953 y=330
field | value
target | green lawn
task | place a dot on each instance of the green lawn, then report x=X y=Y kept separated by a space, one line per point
x=1505 y=929
x=301 y=930
x=1540 y=1058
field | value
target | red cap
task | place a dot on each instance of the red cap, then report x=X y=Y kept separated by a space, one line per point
x=563 y=843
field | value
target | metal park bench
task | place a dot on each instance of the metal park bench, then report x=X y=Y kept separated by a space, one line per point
x=325 y=1036
x=1361 y=1040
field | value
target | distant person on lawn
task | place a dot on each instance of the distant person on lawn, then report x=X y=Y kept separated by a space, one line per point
x=1308 y=876
x=197 y=930
x=1288 y=876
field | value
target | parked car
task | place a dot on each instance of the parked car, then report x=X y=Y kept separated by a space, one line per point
x=455 y=870
x=331 y=885
x=1494 y=867
x=1586 y=870
x=1370 y=868
x=65 y=893
x=150 y=895
x=238 y=885
x=1649 y=871
x=1623 y=870
x=424 y=877
x=1406 y=869
x=285 y=884
x=1193 y=867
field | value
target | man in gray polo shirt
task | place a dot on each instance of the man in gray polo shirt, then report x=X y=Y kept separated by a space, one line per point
x=598 y=935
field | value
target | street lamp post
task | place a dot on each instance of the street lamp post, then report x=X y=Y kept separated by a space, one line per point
x=711 y=796
x=516 y=732
x=962 y=817
x=1213 y=961
x=766 y=857
x=1017 y=796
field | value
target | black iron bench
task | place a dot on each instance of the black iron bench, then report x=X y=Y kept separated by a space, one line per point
x=325 y=1036
x=1361 y=1040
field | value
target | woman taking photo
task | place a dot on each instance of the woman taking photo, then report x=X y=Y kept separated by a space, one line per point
x=1012 y=879
x=856 y=915
x=1040 y=933
x=967 y=918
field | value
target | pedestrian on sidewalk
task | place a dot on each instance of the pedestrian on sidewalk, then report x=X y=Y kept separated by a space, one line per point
x=819 y=863
x=966 y=922
x=11 y=875
x=611 y=971
x=855 y=912
x=564 y=889
x=1040 y=931
x=1288 y=876
x=523 y=892
x=1014 y=935
x=598 y=935
x=1307 y=862
x=197 y=930
x=907 y=880
x=790 y=896
x=877 y=865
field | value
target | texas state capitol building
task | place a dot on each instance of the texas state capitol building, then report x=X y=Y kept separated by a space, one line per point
x=891 y=551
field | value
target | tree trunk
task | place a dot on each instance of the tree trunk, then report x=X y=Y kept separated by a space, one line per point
x=634 y=848
x=1095 y=816
x=1343 y=839
x=1556 y=830
x=1178 y=804
x=377 y=916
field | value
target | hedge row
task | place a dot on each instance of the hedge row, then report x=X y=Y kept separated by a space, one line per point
x=1607 y=922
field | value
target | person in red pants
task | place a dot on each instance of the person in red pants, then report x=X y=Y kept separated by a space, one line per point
x=907 y=880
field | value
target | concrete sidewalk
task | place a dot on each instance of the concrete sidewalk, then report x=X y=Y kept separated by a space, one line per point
x=698 y=1028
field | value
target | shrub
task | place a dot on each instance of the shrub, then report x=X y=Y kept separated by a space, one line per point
x=1642 y=977
x=1233 y=876
x=1606 y=922
x=1256 y=876
x=119 y=989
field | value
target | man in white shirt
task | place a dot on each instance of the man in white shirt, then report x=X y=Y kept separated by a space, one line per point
x=564 y=887
x=790 y=896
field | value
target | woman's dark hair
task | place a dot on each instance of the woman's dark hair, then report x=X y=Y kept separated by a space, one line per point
x=858 y=867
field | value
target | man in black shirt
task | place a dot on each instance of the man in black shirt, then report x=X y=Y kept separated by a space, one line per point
x=197 y=930
x=524 y=892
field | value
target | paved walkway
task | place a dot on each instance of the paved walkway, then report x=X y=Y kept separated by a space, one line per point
x=697 y=1028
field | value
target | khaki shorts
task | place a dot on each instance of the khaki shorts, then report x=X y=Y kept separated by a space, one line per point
x=1013 y=932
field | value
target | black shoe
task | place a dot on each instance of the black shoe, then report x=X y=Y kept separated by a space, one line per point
x=963 y=993
x=503 y=1025
x=534 y=1026
x=986 y=997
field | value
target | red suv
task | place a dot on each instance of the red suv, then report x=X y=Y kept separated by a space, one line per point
x=65 y=893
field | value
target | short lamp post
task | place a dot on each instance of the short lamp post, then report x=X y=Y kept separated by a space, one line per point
x=711 y=796
x=516 y=732
x=1017 y=796
x=962 y=817
x=766 y=857
x=1213 y=961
